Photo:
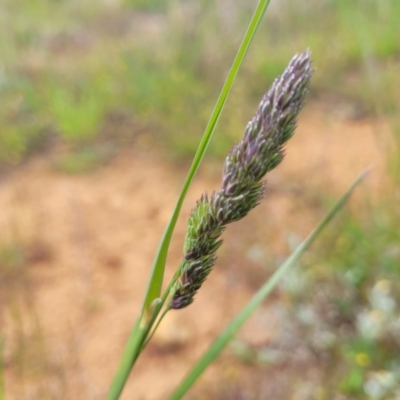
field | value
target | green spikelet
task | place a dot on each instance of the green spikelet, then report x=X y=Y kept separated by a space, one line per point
x=260 y=150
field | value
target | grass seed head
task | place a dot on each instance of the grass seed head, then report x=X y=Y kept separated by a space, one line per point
x=260 y=150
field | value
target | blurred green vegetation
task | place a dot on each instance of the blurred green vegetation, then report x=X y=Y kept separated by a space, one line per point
x=352 y=319
x=93 y=77
x=70 y=70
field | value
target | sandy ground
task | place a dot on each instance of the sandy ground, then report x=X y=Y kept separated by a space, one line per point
x=89 y=242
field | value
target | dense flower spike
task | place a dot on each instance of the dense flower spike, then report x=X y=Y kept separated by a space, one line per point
x=260 y=150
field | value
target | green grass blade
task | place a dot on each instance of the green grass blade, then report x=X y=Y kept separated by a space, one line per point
x=224 y=338
x=157 y=273
x=128 y=358
x=142 y=326
x=135 y=344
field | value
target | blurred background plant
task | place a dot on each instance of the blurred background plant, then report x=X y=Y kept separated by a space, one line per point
x=79 y=81
x=77 y=72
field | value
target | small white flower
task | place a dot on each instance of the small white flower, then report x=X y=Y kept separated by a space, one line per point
x=381 y=297
x=379 y=383
x=370 y=324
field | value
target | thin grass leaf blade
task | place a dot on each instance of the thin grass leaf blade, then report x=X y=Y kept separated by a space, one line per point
x=153 y=291
x=224 y=338
x=157 y=273
x=128 y=358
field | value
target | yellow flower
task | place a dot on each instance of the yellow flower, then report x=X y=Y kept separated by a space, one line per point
x=363 y=359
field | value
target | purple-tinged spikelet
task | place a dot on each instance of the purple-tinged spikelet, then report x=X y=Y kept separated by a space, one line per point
x=260 y=150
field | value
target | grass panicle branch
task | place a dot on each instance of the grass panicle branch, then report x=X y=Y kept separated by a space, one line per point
x=260 y=150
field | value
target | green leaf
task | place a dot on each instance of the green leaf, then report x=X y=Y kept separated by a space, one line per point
x=143 y=325
x=224 y=338
x=157 y=274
